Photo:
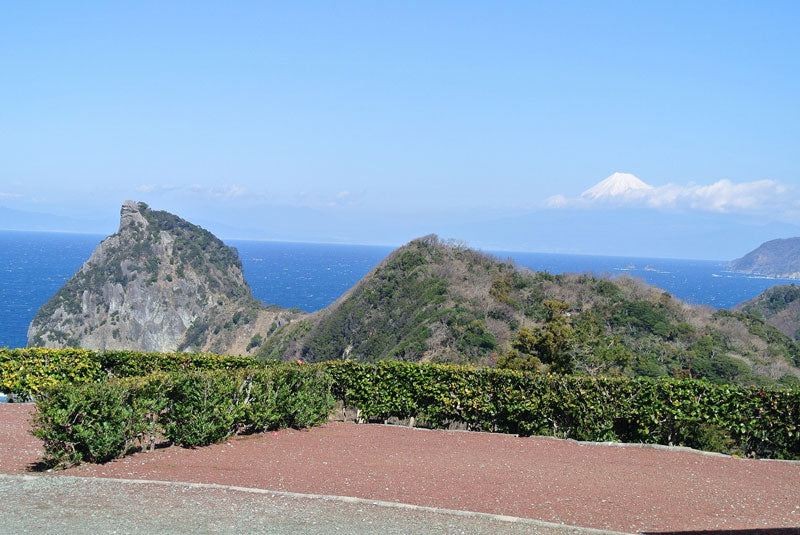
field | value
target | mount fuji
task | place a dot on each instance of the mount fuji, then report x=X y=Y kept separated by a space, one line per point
x=618 y=185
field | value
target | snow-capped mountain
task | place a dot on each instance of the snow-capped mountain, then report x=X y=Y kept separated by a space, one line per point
x=617 y=185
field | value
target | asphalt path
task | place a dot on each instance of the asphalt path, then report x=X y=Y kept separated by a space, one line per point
x=76 y=505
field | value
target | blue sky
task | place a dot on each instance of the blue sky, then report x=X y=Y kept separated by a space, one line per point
x=370 y=122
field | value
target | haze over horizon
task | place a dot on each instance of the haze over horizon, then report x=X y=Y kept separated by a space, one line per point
x=375 y=124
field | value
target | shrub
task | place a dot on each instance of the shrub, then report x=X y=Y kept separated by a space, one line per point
x=25 y=372
x=102 y=421
x=202 y=407
x=96 y=422
x=688 y=412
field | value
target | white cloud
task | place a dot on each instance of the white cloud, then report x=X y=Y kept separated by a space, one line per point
x=727 y=196
x=558 y=201
x=150 y=188
x=340 y=199
x=723 y=196
x=6 y=195
x=228 y=192
x=225 y=192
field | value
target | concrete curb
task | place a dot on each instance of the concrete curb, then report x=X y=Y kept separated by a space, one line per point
x=344 y=499
x=663 y=447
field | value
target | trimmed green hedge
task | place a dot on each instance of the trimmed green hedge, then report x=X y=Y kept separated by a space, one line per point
x=98 y=422
x=205 y=407
x=25 y=372
x=746 y=421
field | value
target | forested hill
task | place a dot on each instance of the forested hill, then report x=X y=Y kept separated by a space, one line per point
x=163 y=284
x=779 y=307
x=775 y=258
x=436 y=301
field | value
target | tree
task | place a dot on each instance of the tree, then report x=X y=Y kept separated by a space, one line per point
x=597 y=352
x=522 y=355
x=552 y=344
x=556 y=339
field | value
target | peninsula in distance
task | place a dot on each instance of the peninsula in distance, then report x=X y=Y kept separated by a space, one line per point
x=162 y=284
x=775 y=258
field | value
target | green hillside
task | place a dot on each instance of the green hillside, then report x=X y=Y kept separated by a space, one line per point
x=779 y=307
x=436 y=301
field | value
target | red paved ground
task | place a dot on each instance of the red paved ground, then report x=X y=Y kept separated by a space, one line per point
x=620 y=488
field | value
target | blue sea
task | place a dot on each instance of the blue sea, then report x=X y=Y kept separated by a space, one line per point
x=34 y=265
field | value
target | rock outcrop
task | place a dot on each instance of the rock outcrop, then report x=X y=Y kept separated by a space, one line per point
x=158 y=284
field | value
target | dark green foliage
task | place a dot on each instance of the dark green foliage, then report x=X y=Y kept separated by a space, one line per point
x=361 y=326
x=645 y=316
x=522 y=355
x=609 y=290
x=255 y=341
x=721 y=369
x=790 y=380
x=196 y=335
x=643 y=367
x=773 y=300
x=96 y=422
x=276 y=345
x=474 y=335
x=446 y=303
x=103 y=421
x=751 y=421
x=203 y=408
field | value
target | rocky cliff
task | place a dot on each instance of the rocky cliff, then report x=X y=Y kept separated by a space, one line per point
x=158 y=284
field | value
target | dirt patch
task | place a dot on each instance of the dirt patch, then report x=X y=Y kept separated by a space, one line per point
x=19 y=450
x=607 y=487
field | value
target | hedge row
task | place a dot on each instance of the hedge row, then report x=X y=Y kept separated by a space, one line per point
x=746 y=421
x=25 y=372
x=732 y=419
x=98 y=422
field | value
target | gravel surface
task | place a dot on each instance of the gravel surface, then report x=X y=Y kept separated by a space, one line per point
x=69 y=505
x=607 y=487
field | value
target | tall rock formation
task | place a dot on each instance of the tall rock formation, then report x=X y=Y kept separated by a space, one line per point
x=158 y=284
